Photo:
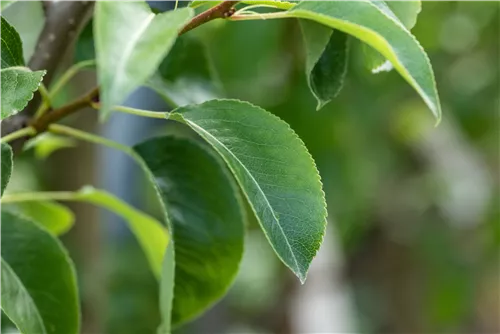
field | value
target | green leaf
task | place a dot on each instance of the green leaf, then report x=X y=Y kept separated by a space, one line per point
x=6 y=165
x=326 y=64
x=371 y=24
x=273 y=168
x=47 y=143
x=6 y=3
x=41 y=269
x=11 y=46
x=130 y=43
x=17 y=87
x=56 y=218
x=185 y=75
x=207 y=217
x=404 y=11
x=18 y=304
x=151 y=234
x=84 y=48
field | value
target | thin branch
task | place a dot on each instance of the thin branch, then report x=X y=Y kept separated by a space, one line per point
x=221 y=11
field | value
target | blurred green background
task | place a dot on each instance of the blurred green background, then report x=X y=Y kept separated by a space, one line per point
x=414 y=236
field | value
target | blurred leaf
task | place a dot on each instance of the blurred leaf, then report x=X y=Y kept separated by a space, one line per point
x=84 y=48
x=11 y=46
x=404 y=11
x=374 y=26
x=17 y=87
x=47 y=143
x=185 y=76
x=18 y=304
x=274 y=170
x=39 y=290
x=6 y=3
x=130 y=43
x=208 y=221
x=56 y=218
x=7 y=166
x=326 y=65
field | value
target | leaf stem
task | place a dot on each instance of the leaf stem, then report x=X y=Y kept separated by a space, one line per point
x=40 y=196
x=135 y=111
x=46 y=100
x=259 y=16
x=68 y=75
x=24 y=132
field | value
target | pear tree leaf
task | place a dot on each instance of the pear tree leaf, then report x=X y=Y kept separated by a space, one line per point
x=11 y=45
x=327 y=53
x=207 y=217
x=17 y=87
x=54 y=217
x=185 y=75
x=39 y=290
x=374 y=25
x=130 y=42
x=7 y=165
x=274 y=170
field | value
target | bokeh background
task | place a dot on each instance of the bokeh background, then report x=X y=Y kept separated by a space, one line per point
x=413 y=234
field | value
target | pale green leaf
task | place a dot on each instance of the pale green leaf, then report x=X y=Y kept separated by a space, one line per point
x=207 y=218
x=6 y=166
x=56 y=218
x=130 y=42
x=371 y=24
x=45 y=272
x=404 y=11
x=326 y=60
x=185 y=76
x=6 y=3
x=11 y=46
x=18 y=304
x=273 y=168
x=47 y=143
x=17 y=87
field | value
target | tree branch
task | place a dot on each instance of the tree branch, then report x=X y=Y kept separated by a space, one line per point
x=221 y=11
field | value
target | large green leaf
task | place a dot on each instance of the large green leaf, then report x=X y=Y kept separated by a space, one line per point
x=185 y=75
x=326 y=63
x=6 y=166
x=207 y=218
x=18 y=304
x=130 y=42
x=11 y=46
x=17 y=87
x=404 y=11
x=41 y=269
x=369 y=22
x=276 y=173
x=56 y=218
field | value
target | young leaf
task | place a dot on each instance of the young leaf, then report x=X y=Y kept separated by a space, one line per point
x=130 y=42
x=41 y=269
x=274 y=170
x=185 y=76
x=371 y=24
x=17 y=87
x=404 y=11
x=326 y=64
x=56 y=218
x=47 y=143
x=18 y=304
x=207 y=218
x=6 y=167
x=11 y=46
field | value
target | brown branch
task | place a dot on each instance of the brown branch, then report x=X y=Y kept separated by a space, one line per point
x=221 y=11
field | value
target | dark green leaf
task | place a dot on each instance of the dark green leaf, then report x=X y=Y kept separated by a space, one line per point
x=7 y=165
x=130 y=43
x=84 y=48
x=274 y=170
x=44 y=272
x=326 y=64
x=11 y=46
x=375 y=26
x=17 y=87
x=185 y=76
x=56 y=218
x=207 y=217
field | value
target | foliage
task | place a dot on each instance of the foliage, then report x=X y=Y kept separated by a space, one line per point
x=195 y=248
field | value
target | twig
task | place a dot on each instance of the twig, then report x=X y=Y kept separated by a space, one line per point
x=221 y=11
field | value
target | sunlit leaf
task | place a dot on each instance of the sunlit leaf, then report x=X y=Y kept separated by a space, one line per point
x=11 y=45
x=207 y=217
x=274 y=170
x=39 y=268
x=130 y=42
